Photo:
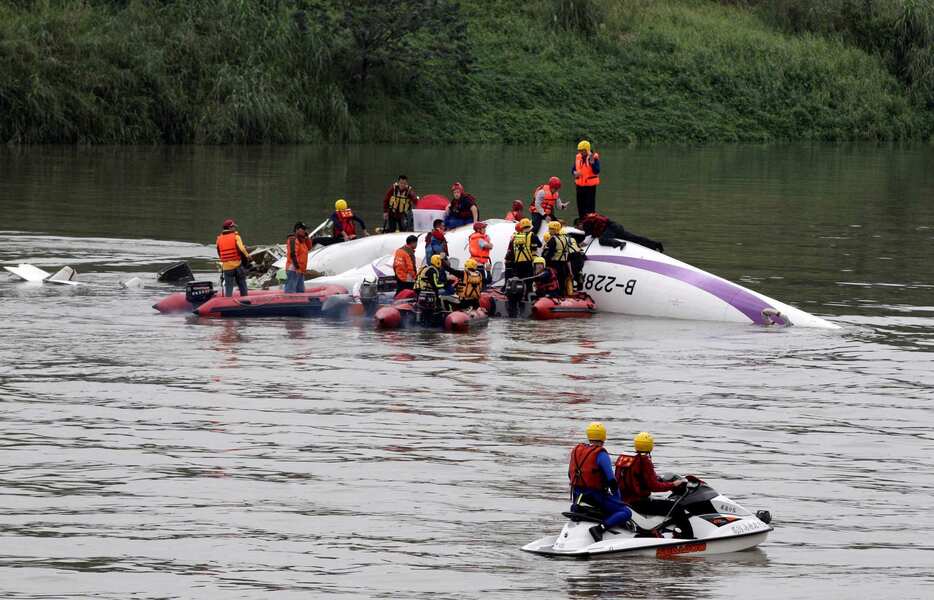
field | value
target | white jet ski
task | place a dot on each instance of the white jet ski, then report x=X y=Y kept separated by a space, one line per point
x=629 y=279
x=720 y=526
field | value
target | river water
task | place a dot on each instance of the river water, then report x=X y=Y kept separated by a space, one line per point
x=155 y=456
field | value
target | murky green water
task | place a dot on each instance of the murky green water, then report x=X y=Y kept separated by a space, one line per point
x=157 y=456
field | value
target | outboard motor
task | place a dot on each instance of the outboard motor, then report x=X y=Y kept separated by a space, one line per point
x=515 y=295
x=199 y=292
x=178 y=273
x=369 y=296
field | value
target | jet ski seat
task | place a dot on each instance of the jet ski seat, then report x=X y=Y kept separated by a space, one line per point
x=585 y=512
x=647 y=522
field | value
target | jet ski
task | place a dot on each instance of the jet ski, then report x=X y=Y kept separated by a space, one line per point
x=720 y=525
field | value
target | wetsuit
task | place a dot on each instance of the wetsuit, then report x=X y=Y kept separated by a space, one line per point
x=610 y=502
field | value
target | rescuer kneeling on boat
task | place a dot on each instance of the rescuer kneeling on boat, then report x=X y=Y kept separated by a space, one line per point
x=593 y=482
x=344 y=222
x=463 y=208
x=546 y=280
x=556 y=253
x=637 y=480
x=610 y=232
x=297 y=247
x=471 y=285
x=232 y=252
x=403 y=264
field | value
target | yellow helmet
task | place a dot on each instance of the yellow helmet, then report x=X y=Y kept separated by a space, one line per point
x=644 y=442
x=554 y=227
x=596 y=431
x=470 y=264
x=538 y=260
x=584 y=145
x=546 y=236
x=525 y=224
x=436 y=260
x=341 y=204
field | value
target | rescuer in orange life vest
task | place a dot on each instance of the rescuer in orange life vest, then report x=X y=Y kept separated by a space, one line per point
x=586 y=172
x=403 y=265
x=480 y=245
x=344 y=222
x=297 y=247
x=544 y=199
x=593 y=481
x=232 y=252
x=637 y=480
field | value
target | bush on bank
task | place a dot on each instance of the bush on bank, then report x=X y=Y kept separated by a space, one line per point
x=283 y=71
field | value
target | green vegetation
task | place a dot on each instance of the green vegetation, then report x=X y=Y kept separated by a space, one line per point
x=280 y=71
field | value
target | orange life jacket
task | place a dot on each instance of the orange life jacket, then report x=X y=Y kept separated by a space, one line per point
x=629 y=476
x=345 y=218
x=227 y=248
x=301 y=253
x=583 y=470
x=403 y=264
x=548 y=202
x=585 y=175
x=514 y=215
x=481 y=255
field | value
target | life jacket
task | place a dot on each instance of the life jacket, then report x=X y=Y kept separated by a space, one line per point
x=403 y=264
x=472 y=285
x=562 y=247
x=583 y=470
x=461 y=208
x=399 y=201
x=548 y=202
x=522 y=247
x=301 y=253
x=573 y=246
x=227 y=248
x=429 y=279
x=481 y=255
x=595 y=224
x=543 y=287
x=513 y=215
x=346 y=222
x=586 y=176
x=628 y=474
x=434 y=233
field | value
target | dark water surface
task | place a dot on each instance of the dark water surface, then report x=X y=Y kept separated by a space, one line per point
x=153 y=456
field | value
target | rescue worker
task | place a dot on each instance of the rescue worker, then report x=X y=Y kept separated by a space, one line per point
x=435 y=242
x=463 y=208
x=403 y=264
x=544 y=199
x=546 y=280
x=576 y=258
x=523 y=249
x=593 y=482
x=471 y=285
x=586 y=173
x=297 y=247
x=480 y=245
x=610 y=232
x=556 y=253
x=232 y=252
x=344 y=222
x=397 y=206
x=432 y=282
x=638 y=480
x=517 y=213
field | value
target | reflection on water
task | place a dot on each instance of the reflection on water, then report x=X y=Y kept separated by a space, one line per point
x=172 y=456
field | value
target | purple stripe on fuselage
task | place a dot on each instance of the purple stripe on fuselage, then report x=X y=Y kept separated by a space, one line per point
x=740 y=299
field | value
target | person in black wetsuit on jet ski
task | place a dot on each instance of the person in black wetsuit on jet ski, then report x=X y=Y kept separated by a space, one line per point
x=593 y=482
x=610 y=232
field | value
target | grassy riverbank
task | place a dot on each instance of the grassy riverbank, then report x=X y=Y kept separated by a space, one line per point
x=228 y=71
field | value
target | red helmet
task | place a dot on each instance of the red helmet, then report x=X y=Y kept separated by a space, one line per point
x=479 y=226
x=229 y=224
x=554 y=183
x=457 y=186
x=517 y=205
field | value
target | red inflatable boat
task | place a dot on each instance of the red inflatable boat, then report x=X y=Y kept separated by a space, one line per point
x=199 y=292
x=329 y=300
x=402 y=314
x=577 y=306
